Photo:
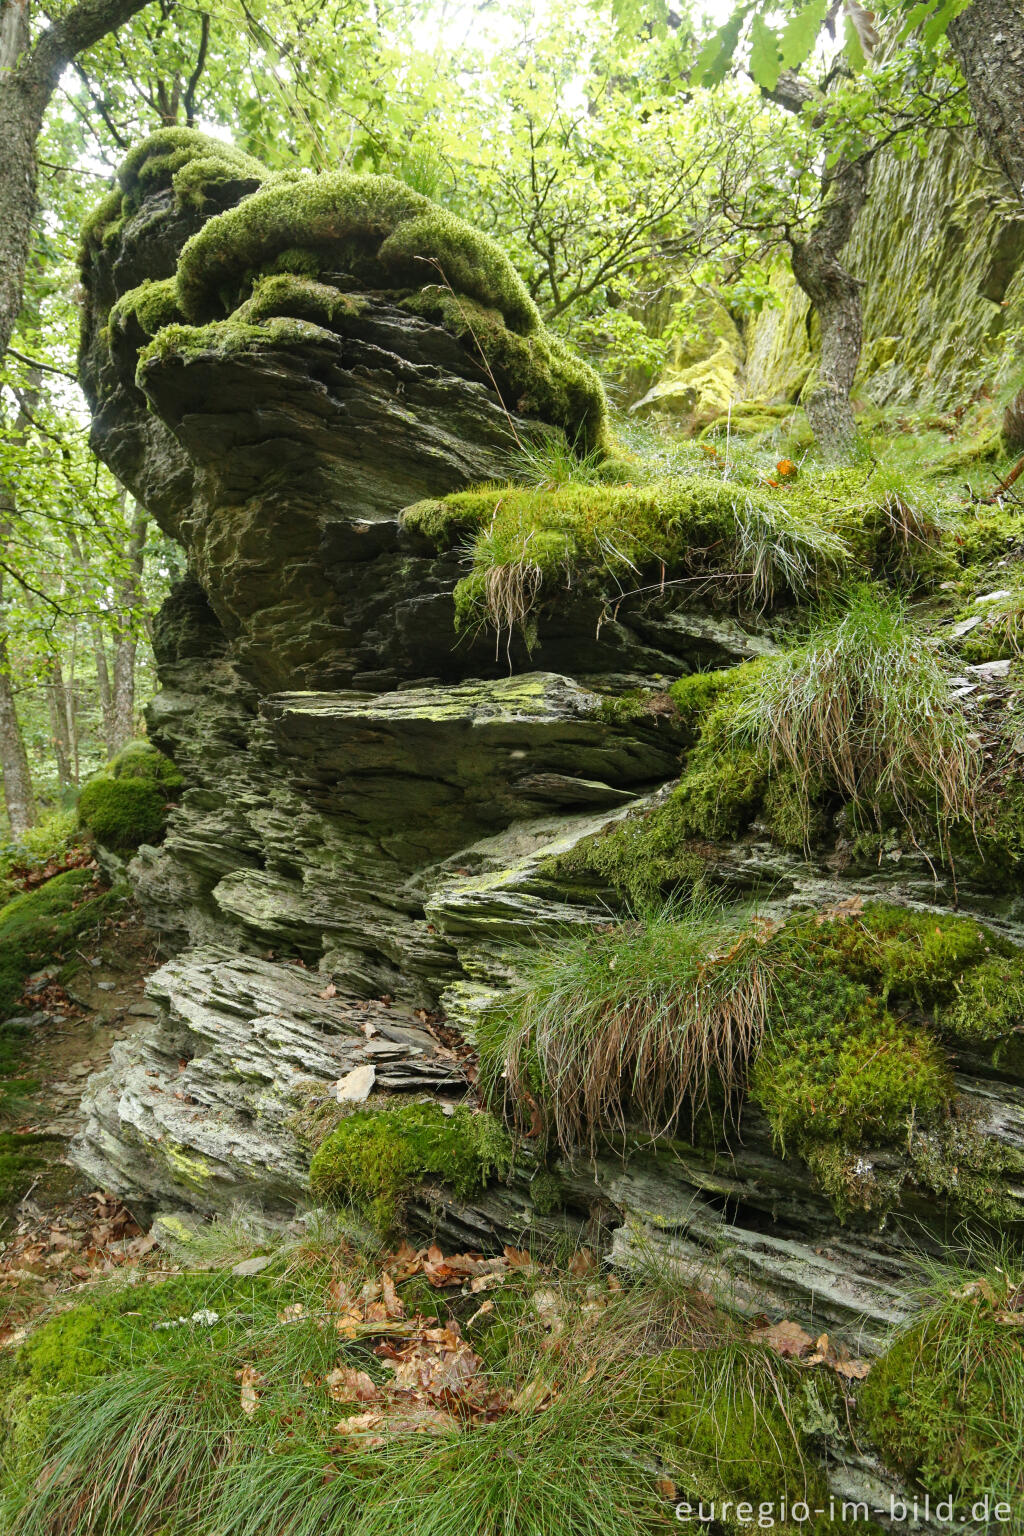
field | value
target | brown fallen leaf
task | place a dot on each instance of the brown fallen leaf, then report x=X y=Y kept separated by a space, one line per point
x=364 y=1427
x=666 y=1487
x=518 y=1258
x=249 y=1396
x=392 y=1301
x=853 y=1370
x=787 y=1339
x=329 y=991
x=347 y=1385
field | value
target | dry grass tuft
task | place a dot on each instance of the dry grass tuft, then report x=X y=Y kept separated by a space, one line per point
x=864 y=707
x=636 y=1025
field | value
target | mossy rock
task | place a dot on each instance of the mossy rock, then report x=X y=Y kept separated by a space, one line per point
x=730 y=1421
x=258 y=263
x=376 y=1157
x=126 y=805
x=123 y=813
x=141 y=760
x=43 y=924
x=945 y=1402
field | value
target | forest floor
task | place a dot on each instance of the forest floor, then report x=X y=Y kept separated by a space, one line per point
x=56 y=1231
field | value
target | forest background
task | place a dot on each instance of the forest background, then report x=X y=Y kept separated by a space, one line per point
x=633 y=159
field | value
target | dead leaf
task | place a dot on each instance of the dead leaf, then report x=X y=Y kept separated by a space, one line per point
x=329 y=991
x=292 y=1313
x=666 y=1487
x=787 y=1339
x=347 y=1385
x=392 y=1301
x=249 y=1396
x=853 y=1370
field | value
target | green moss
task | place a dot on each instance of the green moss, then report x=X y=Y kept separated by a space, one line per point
x=536 y=374
x=640 y=857
x=378 y=229
x=694 y=694
x=42 y=925
x=122 y=814
x=151 y=306
x=840 y=1069
x=611 y=538
x=731 y=1421
x=987 y=1006
x=946 y=1400
x=376 y=1157
x=190 y=162
x=141 y=760
x=223 y=339
x=978 y=1174
x=299 y=298
x=116 y=1328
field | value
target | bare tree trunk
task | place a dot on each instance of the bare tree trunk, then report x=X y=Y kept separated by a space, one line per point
x=835 y=295
x=988 y=40
x=18 y=795
x=833 y=292
x=126 y=634
x=103 y=688
x=29 y=73
x=58 y=705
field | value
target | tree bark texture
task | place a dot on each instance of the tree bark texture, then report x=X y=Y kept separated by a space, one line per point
x=18 y=795
x=988 y=40
x=126 y=636
x=835 y=294
x=58 y=705
x=29 y=73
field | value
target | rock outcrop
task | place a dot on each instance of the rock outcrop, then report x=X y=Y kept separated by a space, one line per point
x=378 y=812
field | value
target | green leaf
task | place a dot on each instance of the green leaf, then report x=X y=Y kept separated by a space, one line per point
x=853 y=50
x=715 y=57
x=764 y=54
x=801 y=33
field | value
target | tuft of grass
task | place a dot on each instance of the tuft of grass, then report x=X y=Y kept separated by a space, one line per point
x=550 y=461
x=864 y=707
x=946 y=1400
x=621 y=540
x=160 y=1445
x=632 y=1025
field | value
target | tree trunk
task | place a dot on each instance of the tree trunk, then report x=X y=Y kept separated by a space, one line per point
x=126 y=634
x=18 y=796
x=835 y=295
x=988 y=41
x=58 y=705
x=28 y=79
x=103 y=688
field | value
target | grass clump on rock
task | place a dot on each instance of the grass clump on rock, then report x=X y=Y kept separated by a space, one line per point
x=527 y=543
x=945 y=1402
x=863 y=707
x=375 y=1158
x=637 y=1025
